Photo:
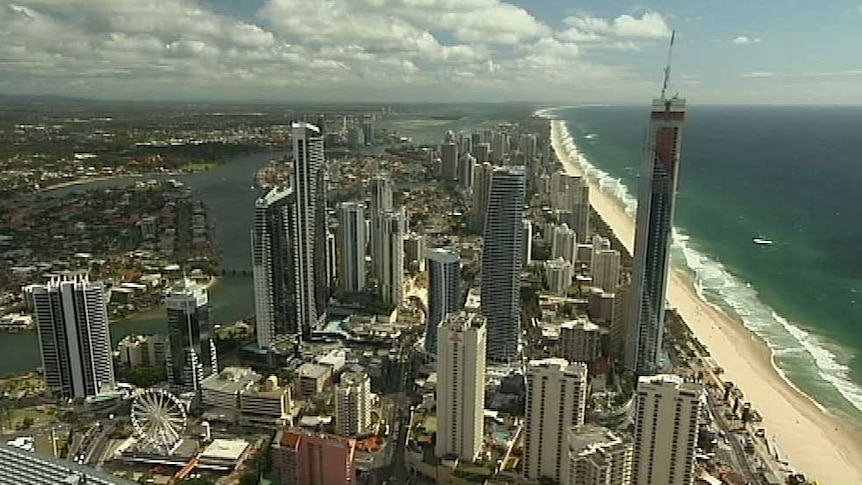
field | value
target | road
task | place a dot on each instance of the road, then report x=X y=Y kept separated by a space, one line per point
x=741 y=461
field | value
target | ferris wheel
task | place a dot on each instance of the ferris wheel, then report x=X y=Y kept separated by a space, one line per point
x=159 y=419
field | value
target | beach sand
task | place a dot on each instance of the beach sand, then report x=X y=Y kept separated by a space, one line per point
x=814 y=442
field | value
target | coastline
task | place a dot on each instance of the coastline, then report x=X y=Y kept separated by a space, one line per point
x=814 y=442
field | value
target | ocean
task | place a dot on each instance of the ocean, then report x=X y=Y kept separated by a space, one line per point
x=792 y=175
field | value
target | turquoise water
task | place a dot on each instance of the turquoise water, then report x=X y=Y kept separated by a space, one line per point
x=791 y=175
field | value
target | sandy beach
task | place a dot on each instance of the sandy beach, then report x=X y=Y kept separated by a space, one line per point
x=814 y=442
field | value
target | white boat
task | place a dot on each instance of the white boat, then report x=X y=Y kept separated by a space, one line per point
x=762 y=241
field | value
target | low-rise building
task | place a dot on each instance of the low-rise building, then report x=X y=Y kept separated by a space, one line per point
x=596 y=456
x=312 y=379
x=143 y=350
x=241 y=396
x=301 y=457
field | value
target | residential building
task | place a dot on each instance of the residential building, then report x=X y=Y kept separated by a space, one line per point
x=657 y=188
x=558 y=275
x=605 y=269
x=449 y=159
x=301 y=457
x=353 y=404
x=273 y=267
x=564 y=243
x=595 y=455
x=501 y=262
x=444 y=291
x=465 y=170
x=570 y=197
x=379 y=204
x=74 y=339
x=460 y=385
x=312 y=379
x=482 y=173
x=350 y=241
x=556 y=401
x=667 y=410
x=482 y=152
x=143 y=350
x=527 y=242
x=193 y=352
x=580 y=341
x=393 y=227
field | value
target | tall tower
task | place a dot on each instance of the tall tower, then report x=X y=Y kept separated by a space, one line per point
x=350 y=240
x=393 y=227
x=501 y=262
x=353 y=404
x=273 y=266
x=72 y=323
x=556 y=402
x=656 y=200
x=380 y=202
x=570 y=198
x=449 y=159
x=481 y=189
x=596 y=456
x=460 y=385
x=444 y=292
x=666 y=414
x=193 y=352
x=310 y=234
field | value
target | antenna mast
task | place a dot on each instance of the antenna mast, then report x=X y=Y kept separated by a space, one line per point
x=667 y=66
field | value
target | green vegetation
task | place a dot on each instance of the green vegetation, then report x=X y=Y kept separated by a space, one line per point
x=145 y=375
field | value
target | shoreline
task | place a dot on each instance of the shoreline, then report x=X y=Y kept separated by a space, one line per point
x=816 y=442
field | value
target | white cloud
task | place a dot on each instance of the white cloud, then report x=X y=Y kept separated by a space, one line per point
x=759 y=74
x=650 y=25
x=744 y=39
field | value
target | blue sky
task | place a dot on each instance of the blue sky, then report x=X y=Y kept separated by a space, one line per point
x=553 y=51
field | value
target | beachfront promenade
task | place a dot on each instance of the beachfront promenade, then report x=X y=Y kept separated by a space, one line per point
x=814 y=442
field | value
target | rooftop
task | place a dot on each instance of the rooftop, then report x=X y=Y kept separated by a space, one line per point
x=223 y=449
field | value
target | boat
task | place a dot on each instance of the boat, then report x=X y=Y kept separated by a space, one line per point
x=762 y=241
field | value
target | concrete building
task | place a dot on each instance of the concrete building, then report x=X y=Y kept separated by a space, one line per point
x=657 y=188
x=193 y=352
x=499 y=146
x=393 y=227
x=528 y=146
x=667 y=410
x=312 y=379
x=501 y=262
x=273 y=267
x=527 y=245
x=580 y=341
x=449 y=159
x=556 y=401
x=350 y=242
x=596 y=456
x=380 y=202
x=414 y=250
x=74 y=340
x=482 y=152
x=482 y=173
x=241 y=396
x=353 y=401
x=143 y=350
x=466 y=164
x=310 y=222
x=300 y=457
x=23 y=467
x=605 y=269
x=564 y=243
x=460 y=385
x=570 y=195
x=558 y=275
x=444 y=291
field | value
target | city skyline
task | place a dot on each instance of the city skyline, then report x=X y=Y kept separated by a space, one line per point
x=398 y=50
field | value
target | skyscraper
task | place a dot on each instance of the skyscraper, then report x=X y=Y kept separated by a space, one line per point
x=501 y=262
x=460 y=385
x=482 y=173
x=273 y=267
x=570 y=198
x=556 y=401
x=666 y=415
x=380 y=202
x=605 y=269
x=350 y=240
x=656 y=199
x=310 y=217
x=564 y=243
x=193 y=352
x=449 y=159
x=74 y=340
x=444 y=292
x=300 y=456
x=393 y=227
x=465 y=170
x=596 y=456
x=353 y=404
x=527 y=238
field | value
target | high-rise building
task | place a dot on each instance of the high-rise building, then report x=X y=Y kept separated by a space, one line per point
x=273 y=267
x=380 y=202
x=350 y=241
x=527 y=245
x=656 y=199
x=368 y=131
x=558 y=275
x=482 y=173
x=190 y=332
x=666 y=423
x=499 y=146
x=466 y=166
x=556 y=401
x=444 y=291
x=353 y=404
x=143 y=350
x=310 y=220
x=304 y=457
x=74 y=340
x=393 y=227
x=449 y=159
x=528 y=146
x=501 y=262
x=460 y=385
x=596 y=456
x=482 y=152
x=564 y=243
x=605 y=265
x=580 y=341
x=570 y=198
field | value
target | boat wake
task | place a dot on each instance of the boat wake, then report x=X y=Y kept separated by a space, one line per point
x=795 y=350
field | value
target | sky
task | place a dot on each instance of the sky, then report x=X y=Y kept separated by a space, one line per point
x=547 y=51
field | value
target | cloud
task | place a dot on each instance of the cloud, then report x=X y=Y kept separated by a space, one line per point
x=743 y=40
x=759 y=74
x=650 y=25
